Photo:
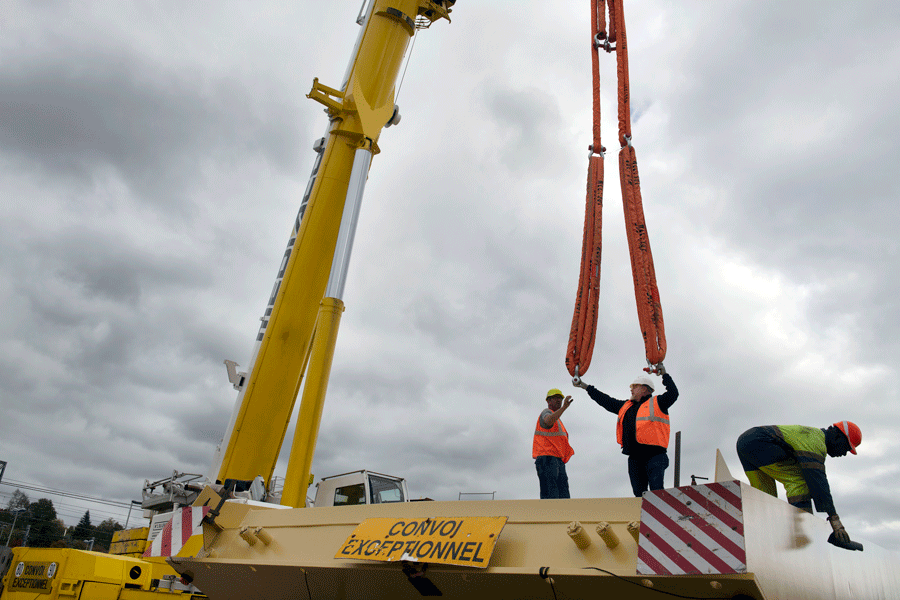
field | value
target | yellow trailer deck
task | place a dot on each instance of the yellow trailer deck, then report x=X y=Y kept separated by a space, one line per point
x=749 y=545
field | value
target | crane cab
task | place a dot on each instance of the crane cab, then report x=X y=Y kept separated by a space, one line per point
x=360 y=487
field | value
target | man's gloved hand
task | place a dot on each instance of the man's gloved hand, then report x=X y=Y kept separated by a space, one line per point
x=579 y=382
x=840 y=533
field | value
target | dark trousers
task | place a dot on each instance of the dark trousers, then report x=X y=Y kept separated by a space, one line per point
x=647 y=471
x=551 y=472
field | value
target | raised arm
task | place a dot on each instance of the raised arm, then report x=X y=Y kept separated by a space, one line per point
x=668 y=398
x=607 y=402
x=549 y=420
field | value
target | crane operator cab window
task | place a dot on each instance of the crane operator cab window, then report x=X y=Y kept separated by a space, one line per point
x=367 y=489
x=350 y=495
x=383 y=490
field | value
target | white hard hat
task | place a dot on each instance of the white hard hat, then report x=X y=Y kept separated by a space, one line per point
x=644 y=380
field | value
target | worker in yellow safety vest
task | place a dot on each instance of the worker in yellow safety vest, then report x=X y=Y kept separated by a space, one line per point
x=642 y=428
x=795 y=456
x=550 y=448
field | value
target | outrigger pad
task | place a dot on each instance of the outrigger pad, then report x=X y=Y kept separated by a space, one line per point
x=851 y=545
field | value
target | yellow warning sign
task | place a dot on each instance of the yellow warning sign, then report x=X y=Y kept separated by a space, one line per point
x=33 y=577
x=465 y=541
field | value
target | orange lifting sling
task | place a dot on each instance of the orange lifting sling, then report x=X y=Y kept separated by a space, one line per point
x=584 y=321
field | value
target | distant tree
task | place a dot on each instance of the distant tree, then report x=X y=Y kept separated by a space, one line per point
x=18 y=500
x=59 y=544
x=45 y=527
x=84 y=530
x=63 y=529
x=104 y=533
x=79 y=545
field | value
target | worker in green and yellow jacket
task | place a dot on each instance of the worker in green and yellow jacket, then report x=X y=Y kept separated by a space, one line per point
x=795 y=456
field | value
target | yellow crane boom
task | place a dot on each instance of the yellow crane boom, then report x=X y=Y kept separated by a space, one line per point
x=307 y=302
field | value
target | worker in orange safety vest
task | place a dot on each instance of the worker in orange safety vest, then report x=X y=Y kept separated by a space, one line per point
x=642 y=428
x=550 y=448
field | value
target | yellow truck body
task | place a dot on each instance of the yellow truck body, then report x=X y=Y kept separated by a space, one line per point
x=67 y=574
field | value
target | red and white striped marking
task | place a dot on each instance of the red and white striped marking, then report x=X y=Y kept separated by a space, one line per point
x=691 y=530
x=185 y=523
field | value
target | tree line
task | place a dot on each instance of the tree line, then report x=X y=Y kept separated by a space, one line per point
x=38 y=521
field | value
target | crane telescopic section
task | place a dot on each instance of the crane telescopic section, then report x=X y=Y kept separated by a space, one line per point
x=298 y=331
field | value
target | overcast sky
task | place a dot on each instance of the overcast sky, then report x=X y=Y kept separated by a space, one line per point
x=152 y=161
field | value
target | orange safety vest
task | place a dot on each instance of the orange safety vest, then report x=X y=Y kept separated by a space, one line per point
x=551 y=442
x=652 y=424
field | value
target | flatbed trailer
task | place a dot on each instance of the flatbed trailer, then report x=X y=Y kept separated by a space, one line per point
x=719 y=540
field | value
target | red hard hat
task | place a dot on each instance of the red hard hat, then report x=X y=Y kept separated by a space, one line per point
x=851 y=430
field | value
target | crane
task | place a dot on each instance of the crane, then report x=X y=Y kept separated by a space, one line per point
x=297 y=335
x=299 y=329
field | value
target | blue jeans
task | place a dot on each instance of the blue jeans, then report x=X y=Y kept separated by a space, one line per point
x=552 y=476
x=646 y=472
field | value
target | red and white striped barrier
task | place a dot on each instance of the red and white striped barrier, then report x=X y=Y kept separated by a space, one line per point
x=692 y=530
x=185 y=523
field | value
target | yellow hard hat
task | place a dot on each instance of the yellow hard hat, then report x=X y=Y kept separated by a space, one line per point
x=555 y=392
